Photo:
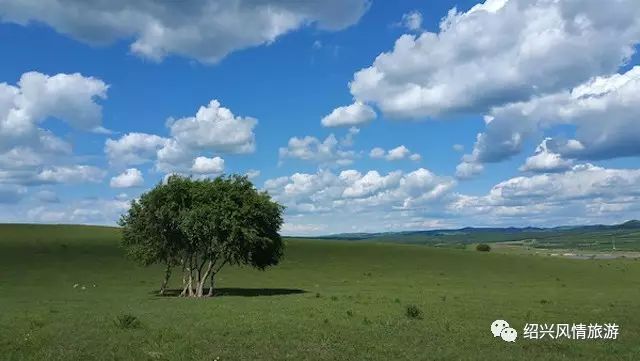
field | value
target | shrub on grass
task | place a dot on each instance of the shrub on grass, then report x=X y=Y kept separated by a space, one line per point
x=127 y=321
x=483 y=247
x=36 y=323
x=413 y=312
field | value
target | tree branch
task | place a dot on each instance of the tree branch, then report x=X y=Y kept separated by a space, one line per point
x=221 y=265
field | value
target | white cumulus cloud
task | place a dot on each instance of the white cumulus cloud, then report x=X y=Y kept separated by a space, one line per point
x=206 y=30
x=133 y=148
x=582 y=193
x=498 y=52
x=214 y=129
x=357 y=113
x=352 y=191
x=131 y=177
x=545 y=160
x=397 y=153
x=252 y=173
x=30 y=154
x=412 y=20
x=330 y=151
x=604 y=110
x=204 y=165
x=70 y=174
x=36 y=97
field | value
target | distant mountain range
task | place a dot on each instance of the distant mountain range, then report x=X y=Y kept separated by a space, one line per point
x=474 y=232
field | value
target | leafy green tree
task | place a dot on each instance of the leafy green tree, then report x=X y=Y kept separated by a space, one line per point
x=151 y=231
x=202 y=226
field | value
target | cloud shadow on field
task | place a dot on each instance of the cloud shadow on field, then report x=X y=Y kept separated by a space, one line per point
x=241 y=292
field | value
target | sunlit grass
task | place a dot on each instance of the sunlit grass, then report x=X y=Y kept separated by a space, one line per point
x=326 y=301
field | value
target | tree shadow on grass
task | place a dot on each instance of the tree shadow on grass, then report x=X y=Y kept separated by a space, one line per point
x=241 y=292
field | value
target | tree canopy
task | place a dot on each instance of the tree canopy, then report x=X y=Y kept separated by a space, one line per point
x=202 y=226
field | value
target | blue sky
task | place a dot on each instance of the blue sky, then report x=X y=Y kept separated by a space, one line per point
x=497 y=113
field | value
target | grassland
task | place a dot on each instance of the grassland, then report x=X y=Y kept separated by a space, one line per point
x=328 y=300
x=623 y=237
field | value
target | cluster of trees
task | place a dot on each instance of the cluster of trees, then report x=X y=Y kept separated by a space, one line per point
x=200 y=226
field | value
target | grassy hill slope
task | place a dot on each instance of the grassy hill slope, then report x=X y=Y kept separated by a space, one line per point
x=585 y=238
x=328 y=300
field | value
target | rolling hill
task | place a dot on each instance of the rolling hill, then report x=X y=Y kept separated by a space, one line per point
x=591 y=237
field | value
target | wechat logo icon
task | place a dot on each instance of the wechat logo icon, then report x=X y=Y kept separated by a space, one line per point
x=501 y=328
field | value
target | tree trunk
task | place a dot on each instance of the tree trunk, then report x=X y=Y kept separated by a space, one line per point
x=191 y=292
x=165 y=282
x=203 y=279
x=188 y=281
x=197 y=283
x=184 y=279
x=214 y=272
x=213 y=277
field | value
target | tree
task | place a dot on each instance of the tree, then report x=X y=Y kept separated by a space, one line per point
x=202 y=226
x=150 y=229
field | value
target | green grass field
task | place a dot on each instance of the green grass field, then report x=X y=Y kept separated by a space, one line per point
x=328 y=300
x=624 y=237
